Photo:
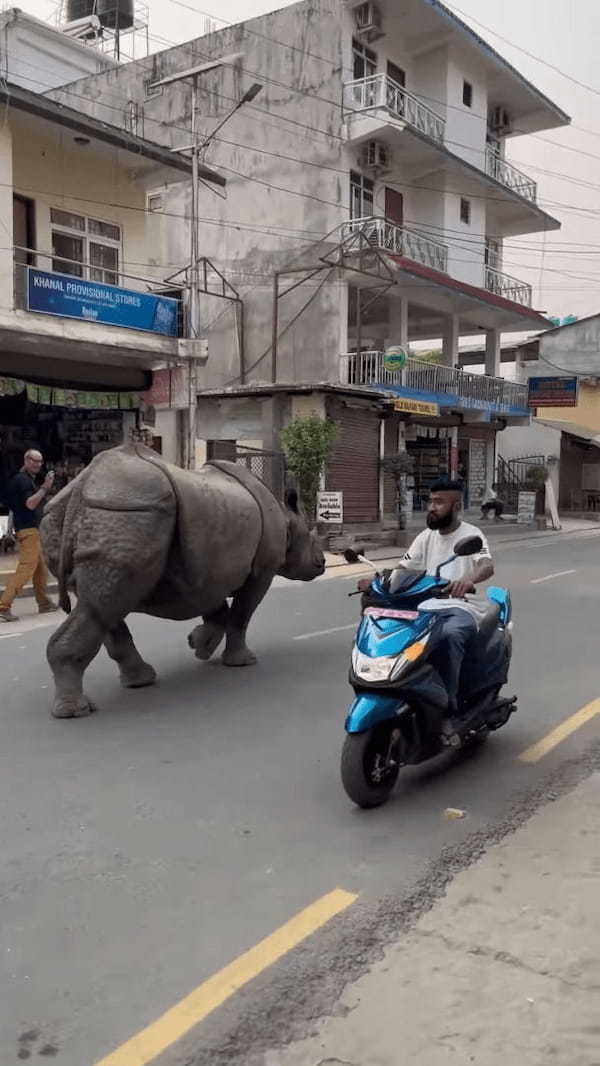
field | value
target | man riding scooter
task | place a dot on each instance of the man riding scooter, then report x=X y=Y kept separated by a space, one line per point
x=460 y=617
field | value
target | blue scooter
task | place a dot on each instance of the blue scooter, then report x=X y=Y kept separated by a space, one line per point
x=400 y=700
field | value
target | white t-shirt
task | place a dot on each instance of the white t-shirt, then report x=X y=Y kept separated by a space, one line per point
x=430 y=548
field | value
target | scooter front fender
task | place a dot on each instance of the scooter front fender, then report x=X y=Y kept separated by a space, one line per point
x=370 y=708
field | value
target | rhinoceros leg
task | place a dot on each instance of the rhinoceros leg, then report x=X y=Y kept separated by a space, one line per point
x=135 y=673
x=70 y=650
x=205 y=639
x=244 y=604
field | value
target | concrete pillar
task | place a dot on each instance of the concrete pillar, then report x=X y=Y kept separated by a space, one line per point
x=398 y=327
x=492 y=353
x=490 y=462
x=450 y=339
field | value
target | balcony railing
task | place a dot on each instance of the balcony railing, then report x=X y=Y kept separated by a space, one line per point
x=389 y=237
x=471 y=390
x=506 y=174
x=510 y=288
x=379 y=91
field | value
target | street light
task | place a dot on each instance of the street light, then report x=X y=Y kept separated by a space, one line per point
x=195 y=148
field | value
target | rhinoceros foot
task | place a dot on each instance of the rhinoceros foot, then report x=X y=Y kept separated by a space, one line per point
x=238 y=657
x=142 y=675
x=205 y=639
x=72 y=708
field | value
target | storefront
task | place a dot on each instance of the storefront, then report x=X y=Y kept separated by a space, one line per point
x=69 y=427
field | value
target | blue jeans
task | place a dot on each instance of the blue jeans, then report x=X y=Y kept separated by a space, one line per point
x=456 y=631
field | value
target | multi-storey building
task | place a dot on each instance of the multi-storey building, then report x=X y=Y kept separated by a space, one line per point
x=375 y=157
x=85 y=313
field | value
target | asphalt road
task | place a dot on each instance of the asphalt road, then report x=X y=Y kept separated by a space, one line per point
x=145 y=848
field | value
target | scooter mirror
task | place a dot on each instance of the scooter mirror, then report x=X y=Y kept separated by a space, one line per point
x=468 y=546
x=352 y=555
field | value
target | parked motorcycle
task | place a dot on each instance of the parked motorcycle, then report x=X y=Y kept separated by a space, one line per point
x=400 y=699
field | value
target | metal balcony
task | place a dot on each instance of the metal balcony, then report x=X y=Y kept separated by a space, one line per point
x=507 y=175
x=389 y=237
x=510 y=288
x=379 y=91
x=463 y=389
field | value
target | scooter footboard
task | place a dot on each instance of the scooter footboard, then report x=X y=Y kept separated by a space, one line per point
x=370 y=708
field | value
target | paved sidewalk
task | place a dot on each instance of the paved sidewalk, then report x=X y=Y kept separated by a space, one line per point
x=504 y=969
x=496 y=532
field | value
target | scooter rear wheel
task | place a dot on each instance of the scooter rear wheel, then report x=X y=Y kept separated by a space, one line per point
x=367 y=775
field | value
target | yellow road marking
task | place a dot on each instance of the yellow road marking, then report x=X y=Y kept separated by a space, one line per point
x=176 y=1022
x=562 y=731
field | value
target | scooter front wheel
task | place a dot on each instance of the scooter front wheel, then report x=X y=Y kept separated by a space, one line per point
x=370 y=764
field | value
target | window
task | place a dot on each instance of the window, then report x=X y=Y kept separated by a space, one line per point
x=361 y=195
x=493 y=253
x=154 y=201
x=396 y=74
x=364 y=60
x=465 y=211
x=151 y=89
x=467 y=94
x=85 y=247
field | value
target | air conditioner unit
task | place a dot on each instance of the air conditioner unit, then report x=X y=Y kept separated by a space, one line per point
x=374 y=155
x=499 y=120
x=368 y=20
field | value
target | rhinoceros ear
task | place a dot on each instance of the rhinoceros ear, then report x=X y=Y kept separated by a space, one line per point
x=291 y=499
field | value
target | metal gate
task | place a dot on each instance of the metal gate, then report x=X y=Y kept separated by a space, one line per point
x=512 y=473
x=270 y=467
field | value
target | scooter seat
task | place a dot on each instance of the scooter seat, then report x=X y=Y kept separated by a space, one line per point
x=490 y=620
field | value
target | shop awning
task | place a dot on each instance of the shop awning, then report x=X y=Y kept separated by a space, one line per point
x=590 y=436
x=478 y=309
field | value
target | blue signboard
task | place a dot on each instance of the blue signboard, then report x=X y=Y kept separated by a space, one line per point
x=92 y=301
x=552 y=392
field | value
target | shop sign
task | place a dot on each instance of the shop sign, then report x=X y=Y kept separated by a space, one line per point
x=416 y=407
x=394 y=358
x=330 y=507
x=92 y=301
x=552 y=392
x=526 y=508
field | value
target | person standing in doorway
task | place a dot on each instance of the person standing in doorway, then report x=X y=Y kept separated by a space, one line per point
x=26 y=500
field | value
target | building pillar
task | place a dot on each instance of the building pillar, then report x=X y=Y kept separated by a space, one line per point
x=490 y=462
x=492 y=353
x=398 y=327
x=450 y=339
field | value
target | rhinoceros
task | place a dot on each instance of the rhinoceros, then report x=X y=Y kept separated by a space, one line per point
x=134 y=533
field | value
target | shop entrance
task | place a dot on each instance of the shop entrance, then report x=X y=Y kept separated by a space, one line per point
x=429 y=447
x=69 y=437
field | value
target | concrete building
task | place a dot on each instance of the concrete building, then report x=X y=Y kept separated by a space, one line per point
x=85 y=313
x=39 y=57
x=564 y=362
x=374 y=158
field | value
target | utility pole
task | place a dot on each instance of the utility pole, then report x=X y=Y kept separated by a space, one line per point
x=195 y=148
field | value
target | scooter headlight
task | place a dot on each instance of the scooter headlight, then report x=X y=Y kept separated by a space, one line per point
x=369 y=669
x=386 y=667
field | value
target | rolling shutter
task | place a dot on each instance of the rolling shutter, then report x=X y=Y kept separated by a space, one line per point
x=353 y=467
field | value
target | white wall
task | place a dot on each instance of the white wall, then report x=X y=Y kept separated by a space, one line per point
x=36 y=56
x=6 y=215
x=466 y=128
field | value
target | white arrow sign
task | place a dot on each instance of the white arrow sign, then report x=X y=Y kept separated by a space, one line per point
x=330 y=507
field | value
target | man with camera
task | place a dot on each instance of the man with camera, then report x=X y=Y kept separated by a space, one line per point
x=26 y=500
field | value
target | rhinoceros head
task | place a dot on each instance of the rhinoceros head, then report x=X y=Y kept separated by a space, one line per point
x=304 y=558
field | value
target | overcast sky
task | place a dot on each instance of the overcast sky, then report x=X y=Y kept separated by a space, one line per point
x=564 y=268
